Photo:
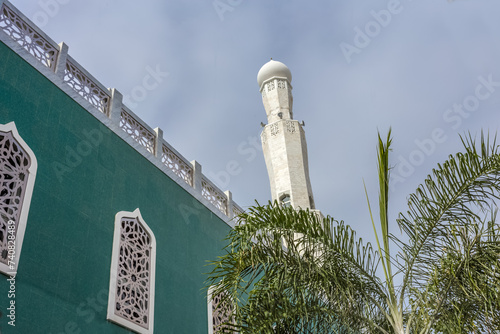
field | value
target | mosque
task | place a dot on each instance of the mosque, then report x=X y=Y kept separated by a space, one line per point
x=105 y=227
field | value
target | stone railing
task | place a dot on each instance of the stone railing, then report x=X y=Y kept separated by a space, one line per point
x=86 y=86
x=176 y=162
x=138 y=130
x=214 y=195
x=26 y=34
x=148 y=141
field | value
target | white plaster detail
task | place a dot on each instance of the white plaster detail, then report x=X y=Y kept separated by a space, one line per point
x=270 y=86
x=219 y=311
x=197 y=178
x=229 y=208
x=28 y=37
x=131 y=298
x=214 y=195
x=158 y=134
x=116 y=106
x=77 y=79
x=137 y=131
x=18 y=167
x=275 y=130
x=281 y=84
x=176 y=164
x=62 y=57
x=237 y=210
x=263 y=136
x=290 y=126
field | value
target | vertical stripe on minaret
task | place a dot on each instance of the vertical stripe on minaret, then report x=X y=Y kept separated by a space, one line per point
x=283 y=139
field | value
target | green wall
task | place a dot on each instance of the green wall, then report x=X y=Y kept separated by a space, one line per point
x=63 y=274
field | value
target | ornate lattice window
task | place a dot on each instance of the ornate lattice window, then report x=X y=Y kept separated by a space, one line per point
x=275 y=130
x=17 y=176
x=132 y=281
x=220 y=311
x=270 y=86
x=290 y=126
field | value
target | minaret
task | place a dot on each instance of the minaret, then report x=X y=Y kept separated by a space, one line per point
x=283 y=139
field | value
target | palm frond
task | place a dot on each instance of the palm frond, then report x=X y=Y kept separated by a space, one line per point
x=463 y=294
x=300 y=269
x=383 y=173
x=453 y=199
x=291 y=271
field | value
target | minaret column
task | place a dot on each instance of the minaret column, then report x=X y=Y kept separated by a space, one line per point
x=283 y=139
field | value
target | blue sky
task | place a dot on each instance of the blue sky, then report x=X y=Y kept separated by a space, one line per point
x=414 y=66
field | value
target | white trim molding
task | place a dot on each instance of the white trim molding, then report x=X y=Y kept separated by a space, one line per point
x=23 y=190
x=131 y=297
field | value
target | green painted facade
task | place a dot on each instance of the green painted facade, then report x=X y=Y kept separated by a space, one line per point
x=86 y=174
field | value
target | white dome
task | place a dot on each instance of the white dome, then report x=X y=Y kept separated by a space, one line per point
x=271 y=69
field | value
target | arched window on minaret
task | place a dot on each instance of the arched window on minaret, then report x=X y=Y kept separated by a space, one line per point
x=285 y=200
x=18 y=167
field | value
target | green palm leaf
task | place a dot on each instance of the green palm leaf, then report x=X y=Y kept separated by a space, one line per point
x=443 y=221
x=293 y=271
x=305 y=272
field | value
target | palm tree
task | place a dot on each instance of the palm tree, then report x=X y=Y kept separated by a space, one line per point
x=292 y=271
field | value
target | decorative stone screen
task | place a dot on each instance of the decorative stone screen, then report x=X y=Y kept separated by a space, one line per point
x=81 y=83
x=213 y=195
x=131 y=300
x=270 y=86
x=31 y=40
x=290 y=126
x=237 y=211
x=275 y=130
x=220 y=310
x=137 y=131
x=17 y=173
x=177 y=165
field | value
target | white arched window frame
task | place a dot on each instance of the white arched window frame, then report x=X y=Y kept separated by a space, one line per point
x=18 y=167
x=131 y=298
x=218 y=315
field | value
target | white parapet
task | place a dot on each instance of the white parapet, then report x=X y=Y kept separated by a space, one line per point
x=106 y=105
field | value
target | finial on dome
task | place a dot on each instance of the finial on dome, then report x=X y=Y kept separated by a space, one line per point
x=271 y=69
